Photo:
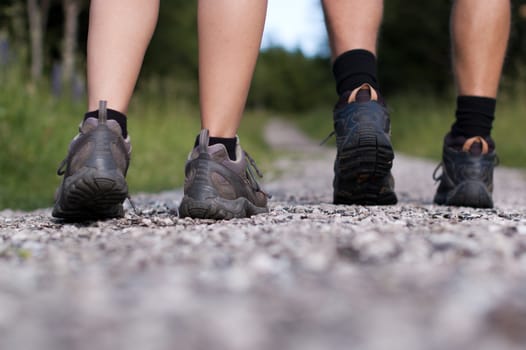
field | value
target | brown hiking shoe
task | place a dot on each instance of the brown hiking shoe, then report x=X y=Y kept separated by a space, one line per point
x=94 y=185
x=467 y=172
x=217 y=187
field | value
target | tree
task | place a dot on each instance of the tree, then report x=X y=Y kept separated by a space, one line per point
x=414 y=46
x=37 y=12
x=72 y=10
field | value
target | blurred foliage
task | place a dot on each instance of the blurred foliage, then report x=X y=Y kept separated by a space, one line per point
x=414 y=54
x=414 y=46
x=414 y=49
x=173 y=50
x=289 y=81
x=172 y=54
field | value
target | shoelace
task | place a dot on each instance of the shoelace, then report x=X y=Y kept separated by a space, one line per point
x=324 y=141
x=435 y=177
x=62 y=167
x=253 y=165
x=135 y=210
x=441 y=165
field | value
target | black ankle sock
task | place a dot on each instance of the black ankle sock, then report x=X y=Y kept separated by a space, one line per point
x=354 y=68
x=229 y=143
x=474 y=116
x=112 y=115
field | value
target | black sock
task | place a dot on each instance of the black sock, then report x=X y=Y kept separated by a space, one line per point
x=354 y=68
x=230 y=144
x=112 y=115
x=474 y=116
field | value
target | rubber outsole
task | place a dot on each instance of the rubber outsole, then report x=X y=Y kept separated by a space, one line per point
x=472 y=194
x=218 y=208
x=91 y=195
x=363 y=169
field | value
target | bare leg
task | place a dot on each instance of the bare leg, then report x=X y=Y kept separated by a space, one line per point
x=229 y=39
x=480 y=31
x=119 y=33
x=353 y=24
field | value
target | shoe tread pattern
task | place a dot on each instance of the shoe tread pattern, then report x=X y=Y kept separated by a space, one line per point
x=365 y=156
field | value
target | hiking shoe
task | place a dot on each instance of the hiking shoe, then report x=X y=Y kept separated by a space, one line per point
x=467 y=172
x=94 y=185
x=362 y=169
x=218 y=188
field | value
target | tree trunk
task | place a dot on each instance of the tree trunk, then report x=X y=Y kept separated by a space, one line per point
x=69 y=45
x=36 y=34
x=44 y=13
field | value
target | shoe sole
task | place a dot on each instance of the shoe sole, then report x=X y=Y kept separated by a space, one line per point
x=92 y=194
x=366 y=167
x=467 y=194
x=218 y=208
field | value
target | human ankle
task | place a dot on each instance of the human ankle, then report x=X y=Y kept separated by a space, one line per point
x=354 y=68
x=474 y=116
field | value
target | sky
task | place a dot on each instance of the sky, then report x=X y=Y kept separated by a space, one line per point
x=295 y=24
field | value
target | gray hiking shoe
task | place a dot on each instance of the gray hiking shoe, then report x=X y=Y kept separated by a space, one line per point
x=94 y=185
x=362 y=169
x=467 y=172
x=219 y=188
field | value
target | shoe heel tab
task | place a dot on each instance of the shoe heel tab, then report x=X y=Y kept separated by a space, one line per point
x=477 y=139
x=103 y=111
x=204 y=138
x=354 y=93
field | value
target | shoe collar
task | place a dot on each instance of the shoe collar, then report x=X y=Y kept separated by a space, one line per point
x=203 y=147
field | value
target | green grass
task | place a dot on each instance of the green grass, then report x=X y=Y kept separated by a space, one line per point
x=36 y=129
x=34 y=133
x=419 y=124
x=163 y=135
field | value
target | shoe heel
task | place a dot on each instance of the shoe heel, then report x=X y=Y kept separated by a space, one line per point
x=91 y=194
x=470 y=194
x=364 y=169
x=97 y=189
x=202 y=200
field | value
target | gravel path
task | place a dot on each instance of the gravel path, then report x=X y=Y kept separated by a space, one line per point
x=308 y=275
